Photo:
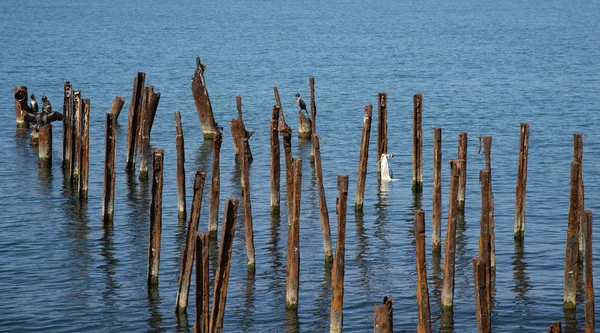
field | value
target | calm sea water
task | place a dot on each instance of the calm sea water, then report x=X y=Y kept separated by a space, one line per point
x=482 y=67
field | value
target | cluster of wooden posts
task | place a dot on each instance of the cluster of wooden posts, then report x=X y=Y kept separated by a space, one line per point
x=142 y=111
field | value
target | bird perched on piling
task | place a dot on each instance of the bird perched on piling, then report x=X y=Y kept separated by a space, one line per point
x=301 y=104
x=34 y=104
x=46 y=106
x=42 y=118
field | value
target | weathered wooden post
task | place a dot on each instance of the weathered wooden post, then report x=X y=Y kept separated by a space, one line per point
x=521 y=182
x=487 y=148
x=84 y=171
x=313 y=113
x=222 y=274
x=77 y=129
x=247 y=205
x=323 y=212
x=383 y=316
x=570 y=289
x=117 y=106
x=450 y=243
x=238 y=132
x=45 y=149
x=364 y=156
x=417 y=143
x=304 y=126
x=133 y=126
x=555 y=328
x=155 y=217
x=203 y=106
x=337 y=273
x=180 y=147
x=275 y=162
x=578 y=157
x=286 y=134
x=187 y=258
x=381 y=127
x=215 y=186
x=436 y=217
x=147 y=120
x=202 y=293
x=424 y=324
x=67 y=114
x=484 y=234
x=20 y=93
x=462 y=156
x=110 y=142
x=481 y=304
x=292 y=280
x=590 y=321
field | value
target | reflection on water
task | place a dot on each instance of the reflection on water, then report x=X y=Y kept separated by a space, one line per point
x=323 y=301
x=246 y=322
x=110 y=262
x=155 y=318
x=521 y=280
x=435 y=289
x=183 y=324
x=362 y=250
x=291 y=321
x=463 y=266
x=382 y=227
x=203 y=157
x=138 y=224
x=45 y=180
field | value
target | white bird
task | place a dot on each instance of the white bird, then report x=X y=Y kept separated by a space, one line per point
x=384 y=167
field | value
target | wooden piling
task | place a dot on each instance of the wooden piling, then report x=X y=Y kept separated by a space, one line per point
x=555 y=328
x=323 y=211
x=133 y=126
x=450 y=243
x=572 y=248
x=110 y=142
x=337 y=273
x=45 y=149
x=247 y=206
x=519 y=230
x=155 y=217
x=202 y=292
x=147 y=120
x=117 y=106
x=364 y=156
x=224 y=263
x=383 y=316
x=202 y=101
x=424 y=314
x=481 y=305
x=215 y=186
x=20 y=91
x=286 y=135
x=436 y=216
x=578 y=157
x=187 y=258
x=180 y=147
x=85 y=151
x=485 y=248
x=77 y=129
x=67 y=118
x=275 y=161
x=590 y=321
x=462 y=155
x=34 y=138
x=304 y=126
x=239 y=133
x=313 y=113
x=292 y=280
x=381 y=127
x=417 y=143
x=487 y=148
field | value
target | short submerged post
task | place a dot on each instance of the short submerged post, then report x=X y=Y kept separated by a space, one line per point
x=337 y=273
x=45 y=148
x=364 y=156
x=383 y=317
x=519 y=230
x=155 y=217
x=436 y=217
x=417 y=143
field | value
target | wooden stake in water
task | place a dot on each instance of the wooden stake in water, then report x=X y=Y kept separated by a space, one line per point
x=45 y=149
x=110 y=142
x=67 y=118
x=555 y=328
x=481 y=304
x=133 y=126
x=436 y=217
x=292 y=280
x=313 y=113
x=381 y=127
x=364 y=156
x=117 y=106
x=570 y=289
x=462 y=156
x=20 y=91
x=418 y=143
x=215 y=185
x=77 y=129
x=484 y=235
x=247 y=206
x=147 y=120
x=85 y=151
x=180 y=147
x=383 y=317
x=487 y=148
x=202 y=305
x=519 y=230
x=337 y=273
x=450 y=243
x=275 y=161
x=424 y=324
x=239 y=133
x=590 y=321
x=203 y=106
x=155 y=217
x=187 y=258
x=578 y=157
x=323 y=212
x=222 y=274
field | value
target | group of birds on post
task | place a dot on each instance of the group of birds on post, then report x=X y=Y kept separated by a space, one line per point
x=34 y=117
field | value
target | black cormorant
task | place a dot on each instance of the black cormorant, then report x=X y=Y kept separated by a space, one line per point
x=301 y=103
x=34 y=104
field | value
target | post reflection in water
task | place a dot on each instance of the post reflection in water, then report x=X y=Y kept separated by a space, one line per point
x=323 y=302
x=203 y=160
x=521 y=280
x=45 y=181
x=362 y=252
x=138 y=219
x=183 y=324
x=247 y=324
x=382 y=230
x=291 y=321
x=463 y=266
x=155 y=319
x=109 y=266
x=435 y=291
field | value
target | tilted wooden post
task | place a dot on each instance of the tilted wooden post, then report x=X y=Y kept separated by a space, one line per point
x=117 y=106
x=450 y=243
x=323 y=212
x=222 y=274
x=485 y=247
x=382 y=141
x=519 y=230
x=336 y=313
x=20 y=91
x=292 y=280
x=239 y=133
x=67 y=118
x=570 y=288
x=383 y=317
x=286 y=134
x=313 y=113
x=77 y=129
x=147 y=120
x=555 y=328
x=202 y=292
x=424 y=314
x=110 y=143
x=462 y=156
x=203 y=106
x=487 y=148
x=364 y=156
x=275 y=161
x=187 y=258
x=45 y=149
x=215 y=186
x=481 y=305
x=155 y=217
x=133 y=126
x=436 y=216
x=590 y=321
x=84 y=171
x=247 y=206
x=418 y=143
x=180 y=147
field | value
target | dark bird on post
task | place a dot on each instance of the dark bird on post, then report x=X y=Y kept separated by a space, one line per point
x=301 y=103
x=46 y=107
x=34 y=104
x=42 y=118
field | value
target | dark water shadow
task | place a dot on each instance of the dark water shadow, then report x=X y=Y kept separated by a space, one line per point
x=447 y=321
x=155 y=318
x=362 y=252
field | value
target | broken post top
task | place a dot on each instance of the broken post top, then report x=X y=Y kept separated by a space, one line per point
x=278 y=100
x=419 y=222
x=178 y=127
